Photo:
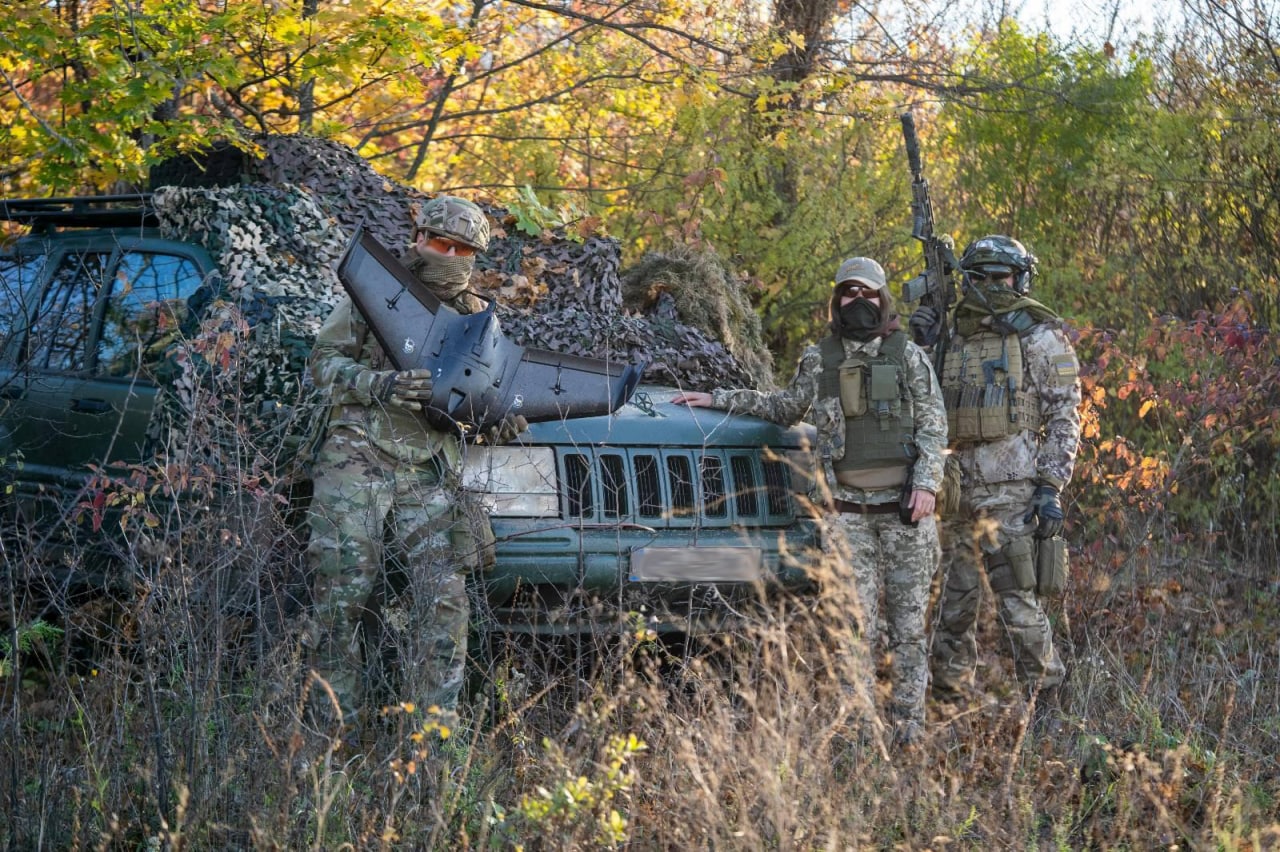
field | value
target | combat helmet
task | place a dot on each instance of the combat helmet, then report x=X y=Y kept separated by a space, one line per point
x=455 y=218
x=998 y=255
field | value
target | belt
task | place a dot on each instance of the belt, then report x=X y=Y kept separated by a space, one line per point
x=844 y=507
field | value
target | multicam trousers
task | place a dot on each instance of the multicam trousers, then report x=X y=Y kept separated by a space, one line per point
x=382 y=561
x=899 y=560
x=988 y=530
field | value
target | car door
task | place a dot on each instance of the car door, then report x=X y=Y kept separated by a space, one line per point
x=85 y=384
x=19 y=280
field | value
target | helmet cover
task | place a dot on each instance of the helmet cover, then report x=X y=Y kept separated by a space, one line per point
x=455 y=218
x=997 y=254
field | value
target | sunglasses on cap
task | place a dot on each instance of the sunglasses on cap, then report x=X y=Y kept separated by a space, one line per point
x=856 y=290
x=444 y=244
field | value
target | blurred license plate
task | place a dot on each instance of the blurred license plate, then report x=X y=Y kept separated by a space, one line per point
x=696 y=564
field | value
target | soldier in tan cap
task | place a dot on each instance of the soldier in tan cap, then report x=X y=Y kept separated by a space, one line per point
x=882 y=429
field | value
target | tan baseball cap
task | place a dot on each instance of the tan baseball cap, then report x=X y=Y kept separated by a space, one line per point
x=864 y=270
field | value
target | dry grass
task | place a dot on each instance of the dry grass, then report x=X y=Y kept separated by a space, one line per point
x=172 y=717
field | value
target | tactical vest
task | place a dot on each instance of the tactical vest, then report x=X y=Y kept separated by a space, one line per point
x=982 y=387
x=879 y=417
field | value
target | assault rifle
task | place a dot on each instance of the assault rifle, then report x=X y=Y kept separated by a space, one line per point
x=936 y=286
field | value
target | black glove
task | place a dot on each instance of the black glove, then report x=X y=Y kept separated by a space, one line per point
x=924 y=325
x=505 y=430
x=404 y=388
x=1045 y=506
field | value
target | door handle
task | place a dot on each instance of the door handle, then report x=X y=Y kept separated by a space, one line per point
x=90 y=406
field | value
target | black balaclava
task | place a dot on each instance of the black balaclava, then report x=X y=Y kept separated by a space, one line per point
x=858 y=320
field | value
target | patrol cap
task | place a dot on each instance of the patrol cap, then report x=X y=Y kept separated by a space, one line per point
x=864 y=270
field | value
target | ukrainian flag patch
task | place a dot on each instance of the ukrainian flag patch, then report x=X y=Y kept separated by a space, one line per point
x=1064 y=367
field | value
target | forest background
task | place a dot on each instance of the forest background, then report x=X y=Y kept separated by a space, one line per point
x=1142 y=168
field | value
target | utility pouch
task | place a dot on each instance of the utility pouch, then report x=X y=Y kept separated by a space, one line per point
x=1013 y=567
x=884 y=382
x=853 y=399
x=1051 y=566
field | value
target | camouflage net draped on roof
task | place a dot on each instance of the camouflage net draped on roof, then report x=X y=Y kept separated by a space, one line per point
x=276 y=251
x=553 y=292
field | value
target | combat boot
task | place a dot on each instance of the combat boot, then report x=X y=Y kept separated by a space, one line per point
x=956 y=697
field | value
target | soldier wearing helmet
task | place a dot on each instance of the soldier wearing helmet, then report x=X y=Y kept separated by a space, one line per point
x=447 y=234
x=1010 y=379
x=389 y=526
x=875 y=400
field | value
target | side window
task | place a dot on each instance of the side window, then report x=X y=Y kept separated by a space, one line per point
x=145 y=311
x=18 y=275
x=59 y=331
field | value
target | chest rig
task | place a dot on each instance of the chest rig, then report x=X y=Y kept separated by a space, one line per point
x=983 y=389
x=879 y=417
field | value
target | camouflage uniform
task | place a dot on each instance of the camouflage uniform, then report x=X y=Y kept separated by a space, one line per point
x=383 y=511
x=388 y=520
x=884 y=553
x=998 y=480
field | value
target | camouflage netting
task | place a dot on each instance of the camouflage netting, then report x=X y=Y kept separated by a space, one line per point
x=553 y=292
x=343 y=183
x=277 y=251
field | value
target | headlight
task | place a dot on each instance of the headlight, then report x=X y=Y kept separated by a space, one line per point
x=513 y=480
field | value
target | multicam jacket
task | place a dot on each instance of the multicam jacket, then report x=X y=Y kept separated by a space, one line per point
x=801 y=401
x=345 y=360
x=1047 y=452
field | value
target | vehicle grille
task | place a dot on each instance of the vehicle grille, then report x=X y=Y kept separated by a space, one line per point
x=676 y=488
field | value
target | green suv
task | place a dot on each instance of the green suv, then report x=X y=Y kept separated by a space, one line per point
x=657 y=513
x=674 y=513
x=86 y=298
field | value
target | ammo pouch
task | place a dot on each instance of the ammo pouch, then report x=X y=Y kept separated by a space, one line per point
x=1012 y=568
x=853 y=399
x=1051 y=566
x=471 y=534
x=983 y=392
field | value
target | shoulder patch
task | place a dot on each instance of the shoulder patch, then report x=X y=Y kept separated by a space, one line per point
x=1064 y=368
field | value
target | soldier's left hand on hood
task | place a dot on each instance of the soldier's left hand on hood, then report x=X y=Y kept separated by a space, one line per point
x=506 y=430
